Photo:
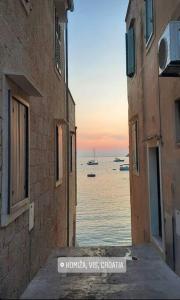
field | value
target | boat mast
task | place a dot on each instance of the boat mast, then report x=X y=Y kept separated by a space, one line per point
x=94 y=153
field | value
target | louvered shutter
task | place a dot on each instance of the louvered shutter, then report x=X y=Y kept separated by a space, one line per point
x=58 y=43
x=19 y=152
x=130 y=52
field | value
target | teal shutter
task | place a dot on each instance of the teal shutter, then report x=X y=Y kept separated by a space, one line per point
x=130 y=52
x=149 y=19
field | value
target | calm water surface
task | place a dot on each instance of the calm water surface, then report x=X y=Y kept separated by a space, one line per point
x=103 y=211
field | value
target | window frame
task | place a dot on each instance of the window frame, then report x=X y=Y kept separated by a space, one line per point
x=8 y=215
x=59 y=153
x=135 y=147
x=177 y=121
x=14 y=208
x=148 y=40
x=72 y=152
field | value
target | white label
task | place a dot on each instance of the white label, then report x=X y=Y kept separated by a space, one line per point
x=92 y=265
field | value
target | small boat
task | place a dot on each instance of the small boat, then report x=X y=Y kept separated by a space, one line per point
x=91 y=175
x=117 y=159
x=93 y=162
x=124 y=167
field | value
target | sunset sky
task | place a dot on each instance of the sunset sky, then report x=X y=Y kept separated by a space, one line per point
x=97 y=77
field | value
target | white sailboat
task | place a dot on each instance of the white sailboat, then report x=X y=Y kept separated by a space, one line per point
x=117 y=159
x=93 y=162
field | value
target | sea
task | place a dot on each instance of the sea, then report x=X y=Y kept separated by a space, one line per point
x=103 y=204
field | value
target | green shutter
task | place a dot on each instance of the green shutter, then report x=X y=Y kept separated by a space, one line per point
x=149 y=19
x=130 y=52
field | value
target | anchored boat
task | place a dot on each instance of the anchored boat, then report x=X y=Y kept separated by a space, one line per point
x=91 y=175
x=117 y=159
x=124 y=167
x=93 y=162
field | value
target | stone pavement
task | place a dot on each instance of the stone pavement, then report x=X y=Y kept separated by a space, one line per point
x=147 y=277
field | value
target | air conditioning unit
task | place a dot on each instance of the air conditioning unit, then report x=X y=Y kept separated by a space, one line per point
x=169 y=50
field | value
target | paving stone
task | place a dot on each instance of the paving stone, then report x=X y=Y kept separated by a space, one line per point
x=147 y=277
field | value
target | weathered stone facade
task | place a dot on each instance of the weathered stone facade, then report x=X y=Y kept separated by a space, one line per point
x=27 y=69
x=152 y=102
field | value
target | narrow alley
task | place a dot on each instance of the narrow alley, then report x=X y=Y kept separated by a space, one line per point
x=147 y=277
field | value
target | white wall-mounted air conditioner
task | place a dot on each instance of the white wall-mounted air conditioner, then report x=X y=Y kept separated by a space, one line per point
x=169 y=50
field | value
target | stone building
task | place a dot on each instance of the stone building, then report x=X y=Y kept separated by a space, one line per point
x=154 y=118
x=37 y=139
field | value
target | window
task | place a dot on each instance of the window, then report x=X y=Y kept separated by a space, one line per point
x=177 y=120
x=59 y=154
x=27 y=6
x=72 y=152
x=130 y=52
x=58 y=41
x=135 y=152
x=149 y=20
x=19 y=154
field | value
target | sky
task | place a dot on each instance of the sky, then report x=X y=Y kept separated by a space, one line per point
x=97 y=76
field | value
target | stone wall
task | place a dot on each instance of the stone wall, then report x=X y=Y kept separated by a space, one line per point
x=27 y=47
x=152 y=99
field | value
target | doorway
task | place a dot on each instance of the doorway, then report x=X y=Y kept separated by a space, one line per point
x=155 y=195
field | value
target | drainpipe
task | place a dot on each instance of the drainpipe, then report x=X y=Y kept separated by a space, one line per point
x=67 y=127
